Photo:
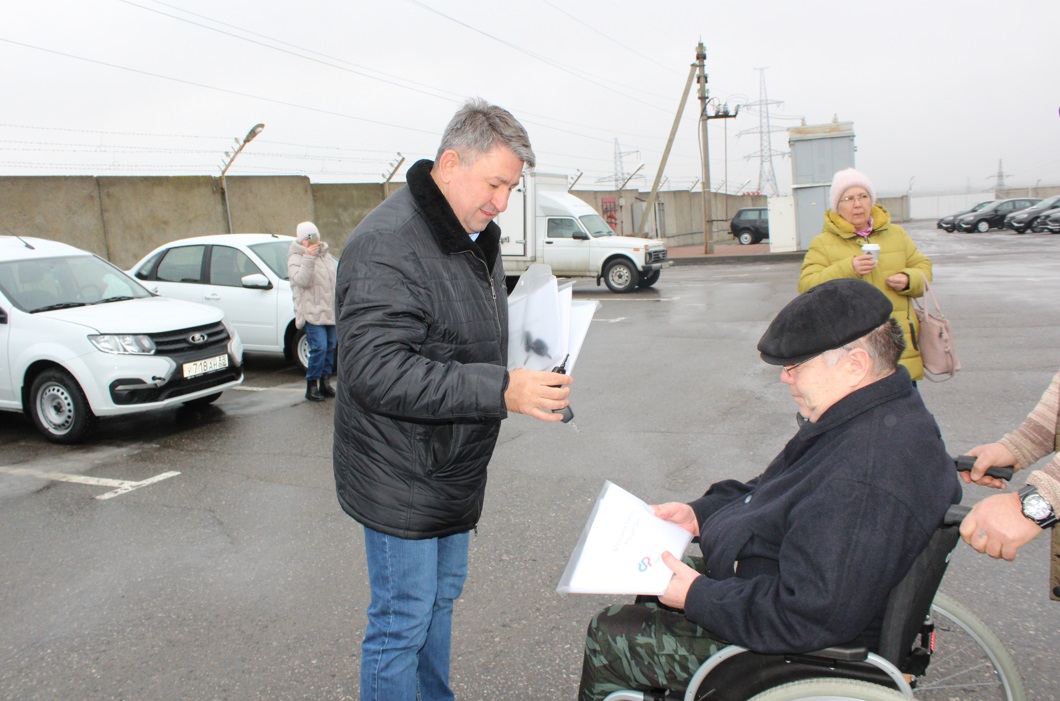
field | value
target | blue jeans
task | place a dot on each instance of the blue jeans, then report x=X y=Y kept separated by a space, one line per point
x=406 y=645
x=322 y=342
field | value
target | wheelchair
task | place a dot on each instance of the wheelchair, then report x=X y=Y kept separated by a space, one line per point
x=931 y=648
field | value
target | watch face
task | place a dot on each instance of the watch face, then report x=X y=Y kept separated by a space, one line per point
x=1035 y=507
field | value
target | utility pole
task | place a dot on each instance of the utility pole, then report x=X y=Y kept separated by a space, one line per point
x=722 y=112
x=230 y=157
x=701 y=78
x=393 y=165
x=666 y=152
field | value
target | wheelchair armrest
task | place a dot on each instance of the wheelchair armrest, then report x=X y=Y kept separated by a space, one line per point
x=840 y=653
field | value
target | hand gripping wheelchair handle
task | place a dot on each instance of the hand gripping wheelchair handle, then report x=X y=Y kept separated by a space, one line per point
x=965 y=462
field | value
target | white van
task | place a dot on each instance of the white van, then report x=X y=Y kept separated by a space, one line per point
x=80 y=339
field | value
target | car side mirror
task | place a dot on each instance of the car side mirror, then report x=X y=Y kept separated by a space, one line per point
x=257 y=281
x=3 y=316
x=581 y=236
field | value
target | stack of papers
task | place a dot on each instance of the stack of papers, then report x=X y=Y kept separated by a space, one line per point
x=545 y=323
x=620 y=549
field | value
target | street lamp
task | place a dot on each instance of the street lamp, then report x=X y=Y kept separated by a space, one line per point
x=231 y=157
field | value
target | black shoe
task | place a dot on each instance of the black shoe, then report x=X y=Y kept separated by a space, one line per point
x=312 y=391
x=325 y=388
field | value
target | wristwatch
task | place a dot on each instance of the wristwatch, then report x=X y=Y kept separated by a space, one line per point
x=1036 y=508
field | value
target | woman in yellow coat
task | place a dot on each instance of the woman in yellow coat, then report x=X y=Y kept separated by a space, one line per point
x=899 y=270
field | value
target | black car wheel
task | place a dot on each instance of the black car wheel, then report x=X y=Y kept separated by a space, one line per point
x=983 y=226
x=650 y=279
x=299 y=350
x=59 y=409
x=621 y=276
x=746 y=238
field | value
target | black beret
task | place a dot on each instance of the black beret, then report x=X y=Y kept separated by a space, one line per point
x=827 y=316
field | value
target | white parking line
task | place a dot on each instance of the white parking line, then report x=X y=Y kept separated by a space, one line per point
x=123 y=486
x=617 y=298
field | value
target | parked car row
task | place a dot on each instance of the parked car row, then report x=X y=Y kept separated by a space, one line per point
x=81 y=339
x=1026 y=219
x=1020 y=214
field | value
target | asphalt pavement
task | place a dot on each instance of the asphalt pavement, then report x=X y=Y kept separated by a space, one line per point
x=240 y=578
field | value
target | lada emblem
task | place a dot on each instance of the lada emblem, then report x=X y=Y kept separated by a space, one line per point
x=197 y=338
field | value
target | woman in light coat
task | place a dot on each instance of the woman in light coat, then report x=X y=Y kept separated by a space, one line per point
x=311 y=272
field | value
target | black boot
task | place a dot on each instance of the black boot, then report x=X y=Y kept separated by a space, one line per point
x=312 y=391
x=325 y=388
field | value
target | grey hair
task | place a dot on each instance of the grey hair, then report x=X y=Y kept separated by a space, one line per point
x=478 y=127
x=884 y=344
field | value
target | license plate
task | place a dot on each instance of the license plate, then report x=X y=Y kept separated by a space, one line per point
x=201 y=367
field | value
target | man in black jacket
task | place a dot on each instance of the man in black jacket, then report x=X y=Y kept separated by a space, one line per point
x=422 y=321
x=803 y=556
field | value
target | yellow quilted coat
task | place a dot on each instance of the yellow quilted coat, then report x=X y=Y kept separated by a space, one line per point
x=831 y=254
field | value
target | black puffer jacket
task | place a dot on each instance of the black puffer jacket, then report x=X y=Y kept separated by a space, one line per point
x=423 y=336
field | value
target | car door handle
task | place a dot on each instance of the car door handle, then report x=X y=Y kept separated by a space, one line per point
x=213 y=297
x=548 y=243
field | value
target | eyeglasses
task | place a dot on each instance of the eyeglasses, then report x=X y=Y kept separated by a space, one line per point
x=854 y=198
x=791 y=368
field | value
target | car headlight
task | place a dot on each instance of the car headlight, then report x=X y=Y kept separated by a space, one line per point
x=123 y=344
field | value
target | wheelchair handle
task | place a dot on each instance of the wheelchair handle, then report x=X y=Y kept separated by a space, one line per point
x=955 y=514
x=965 y=462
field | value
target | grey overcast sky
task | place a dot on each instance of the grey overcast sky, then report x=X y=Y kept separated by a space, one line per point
x=939 y=91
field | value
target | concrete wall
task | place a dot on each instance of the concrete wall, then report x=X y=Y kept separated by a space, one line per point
x=122 y=218
x=63 y=208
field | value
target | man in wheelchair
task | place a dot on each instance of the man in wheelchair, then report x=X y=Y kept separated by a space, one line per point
x=803 y=556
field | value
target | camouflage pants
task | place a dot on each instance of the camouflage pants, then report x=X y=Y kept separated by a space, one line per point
x=642 y=646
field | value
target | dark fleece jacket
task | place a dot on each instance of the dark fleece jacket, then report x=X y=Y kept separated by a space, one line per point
x=804 y=556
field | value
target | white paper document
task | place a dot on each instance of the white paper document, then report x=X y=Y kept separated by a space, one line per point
x=545 y=323
x=620 y=549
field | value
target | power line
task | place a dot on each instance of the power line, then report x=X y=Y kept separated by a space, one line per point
x=365 y=72
x=608 y=37
x=581 y=75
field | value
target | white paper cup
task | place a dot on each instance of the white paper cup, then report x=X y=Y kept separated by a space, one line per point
x=873 y=249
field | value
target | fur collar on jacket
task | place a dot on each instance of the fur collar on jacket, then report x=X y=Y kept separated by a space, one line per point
x=444 y=225
x=839 y=226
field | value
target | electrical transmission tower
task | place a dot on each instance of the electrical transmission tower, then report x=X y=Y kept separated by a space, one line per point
x=999 y=183
x=620 y=176
x=767 y=178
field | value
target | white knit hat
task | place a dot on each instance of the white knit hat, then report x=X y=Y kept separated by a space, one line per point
x=846 y=179
x=305 y=230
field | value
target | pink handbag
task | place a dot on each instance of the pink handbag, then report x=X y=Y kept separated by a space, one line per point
x=936 y=339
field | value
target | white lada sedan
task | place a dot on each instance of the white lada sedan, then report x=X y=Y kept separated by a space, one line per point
x=80 y=339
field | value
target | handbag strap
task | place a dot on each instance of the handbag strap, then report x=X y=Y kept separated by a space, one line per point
x=934 y=300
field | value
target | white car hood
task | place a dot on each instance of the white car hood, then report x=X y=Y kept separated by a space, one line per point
x=632 y=242
x=148 y=315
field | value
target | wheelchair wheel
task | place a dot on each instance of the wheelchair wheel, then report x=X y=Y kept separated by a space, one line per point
x=824 y=689
x=969 y=663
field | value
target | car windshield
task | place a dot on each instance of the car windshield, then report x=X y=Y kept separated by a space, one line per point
x=979 y=206
x=596 y=225
x=70 y=281
x=1050 y=203
x=274 y=254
